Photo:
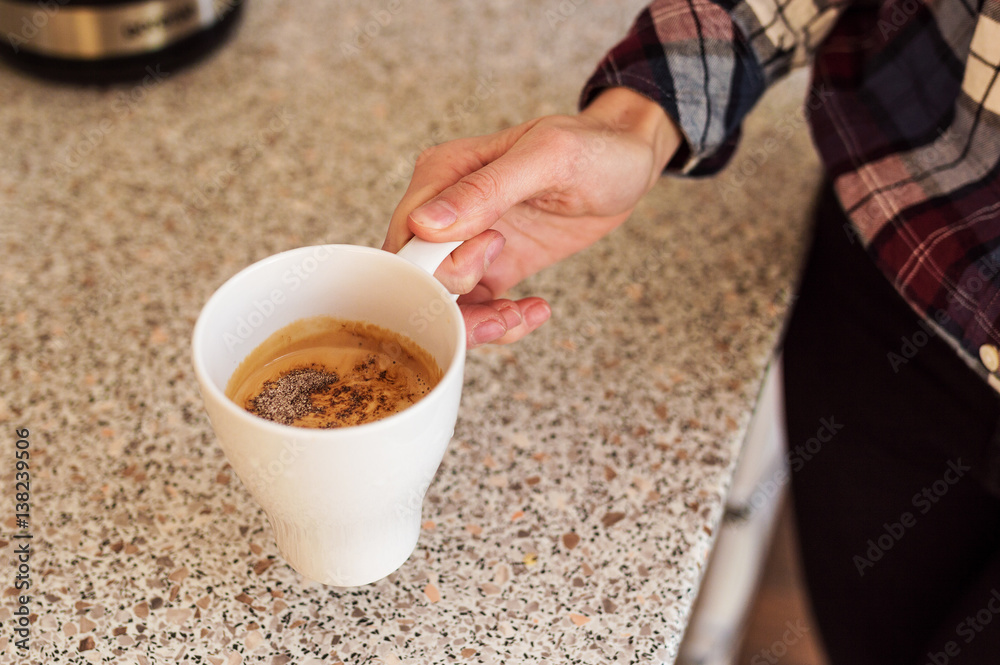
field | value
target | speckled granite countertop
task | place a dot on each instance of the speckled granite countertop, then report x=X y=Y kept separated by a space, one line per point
x=573 y=514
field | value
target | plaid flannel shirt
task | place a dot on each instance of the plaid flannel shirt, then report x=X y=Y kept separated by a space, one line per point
x=904 y=109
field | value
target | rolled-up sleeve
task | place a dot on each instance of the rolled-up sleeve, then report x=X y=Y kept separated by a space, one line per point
x=707 y=63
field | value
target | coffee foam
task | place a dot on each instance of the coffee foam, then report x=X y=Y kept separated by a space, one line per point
x=332 y=373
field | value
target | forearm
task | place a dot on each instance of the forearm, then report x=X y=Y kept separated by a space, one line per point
x=629 y=113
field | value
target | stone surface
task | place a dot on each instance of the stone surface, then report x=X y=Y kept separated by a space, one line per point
x=573 y=514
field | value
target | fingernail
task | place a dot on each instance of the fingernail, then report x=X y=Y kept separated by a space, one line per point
x=487 y=331
x=511 y=316
x=434 y=215
x=493 y=250
x=537 y=314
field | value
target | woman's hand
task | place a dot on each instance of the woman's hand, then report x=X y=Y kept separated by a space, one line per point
x=528 y=196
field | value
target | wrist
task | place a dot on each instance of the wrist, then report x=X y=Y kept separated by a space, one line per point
x=628 y=112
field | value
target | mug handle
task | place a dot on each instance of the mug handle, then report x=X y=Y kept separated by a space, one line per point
x=428 y=255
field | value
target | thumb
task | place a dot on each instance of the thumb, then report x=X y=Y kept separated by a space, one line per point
x=479 y=199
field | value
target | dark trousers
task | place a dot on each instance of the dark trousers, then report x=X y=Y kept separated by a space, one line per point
x=893 y=469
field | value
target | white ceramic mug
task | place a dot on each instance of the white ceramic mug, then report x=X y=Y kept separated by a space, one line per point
x=344 y=503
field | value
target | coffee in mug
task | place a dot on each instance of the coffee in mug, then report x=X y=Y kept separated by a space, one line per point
x=325 y=372
x=344 y=503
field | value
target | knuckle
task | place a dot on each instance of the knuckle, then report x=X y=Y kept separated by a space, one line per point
x=559 y=138
x=567 y=149
x=483 y=184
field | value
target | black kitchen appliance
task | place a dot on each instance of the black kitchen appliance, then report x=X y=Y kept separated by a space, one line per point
x=103 y=41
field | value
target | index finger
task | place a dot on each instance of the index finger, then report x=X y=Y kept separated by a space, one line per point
x=437 y=168
x=440 y=167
